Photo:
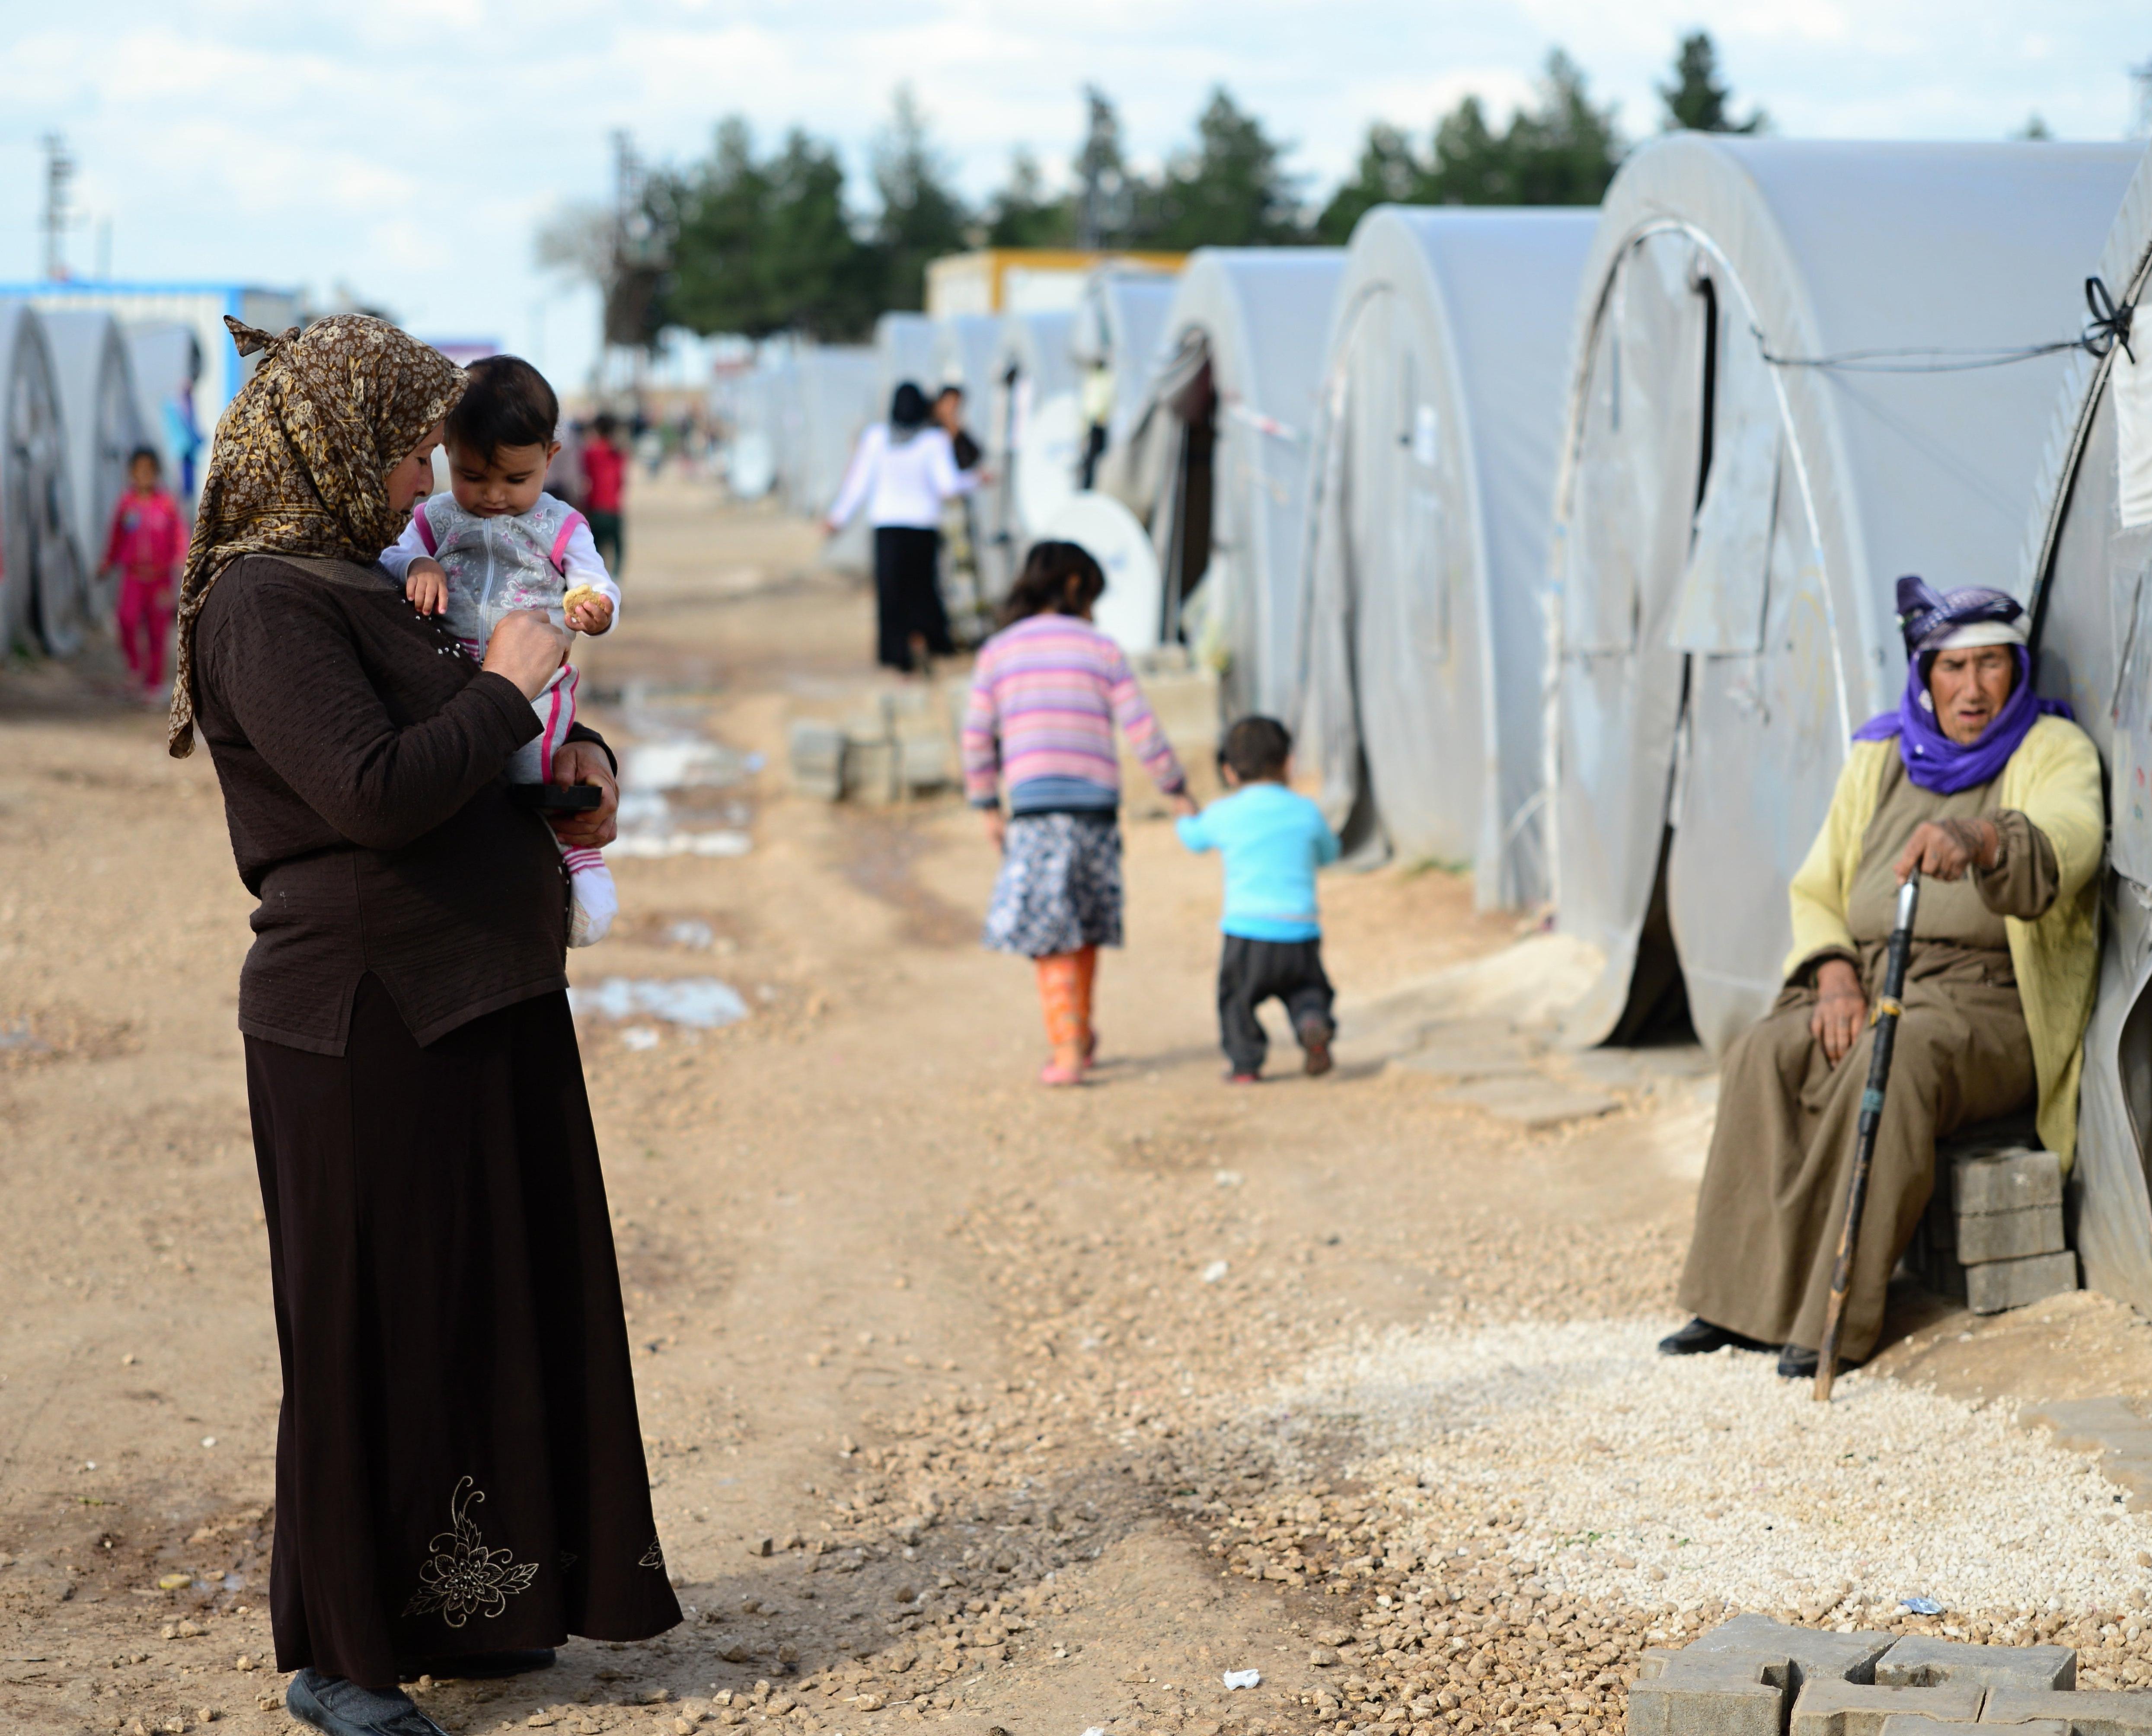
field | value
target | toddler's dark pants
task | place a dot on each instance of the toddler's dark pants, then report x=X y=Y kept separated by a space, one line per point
x=1253 y=972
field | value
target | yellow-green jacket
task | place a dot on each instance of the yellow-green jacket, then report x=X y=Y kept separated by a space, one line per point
x=2053 y=780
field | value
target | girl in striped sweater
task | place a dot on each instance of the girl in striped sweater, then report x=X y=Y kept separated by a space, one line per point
x=1046 y=693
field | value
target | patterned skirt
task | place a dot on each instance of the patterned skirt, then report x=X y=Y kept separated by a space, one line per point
x=1059 y=889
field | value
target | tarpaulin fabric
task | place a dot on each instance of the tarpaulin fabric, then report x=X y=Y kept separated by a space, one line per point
x=2086 y=576
x=105 y=422
x=1262 y=315
x=1687 y=696
x=42 y=566
x=906 y=346
x=1424 y=630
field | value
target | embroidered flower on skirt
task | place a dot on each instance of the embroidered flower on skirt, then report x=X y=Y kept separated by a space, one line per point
x=462 y=1577
x=1060 y=888
x=653 y=1556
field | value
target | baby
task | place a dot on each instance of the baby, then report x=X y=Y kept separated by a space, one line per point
x=497 y=542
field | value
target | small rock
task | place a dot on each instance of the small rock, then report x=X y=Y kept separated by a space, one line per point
x=245 y=1663
x=539 y=1720
x=760 y=1545
x=185 y=1630
x=865 y=1702
x=788 y=1653
x=1322 y=1657
x=175 y=1582
x=206 y=1714
x=1625 y=1560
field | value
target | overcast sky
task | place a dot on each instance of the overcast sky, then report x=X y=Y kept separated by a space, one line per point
x=409 y=150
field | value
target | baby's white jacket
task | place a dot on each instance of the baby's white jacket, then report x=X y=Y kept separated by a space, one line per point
x=497 y=566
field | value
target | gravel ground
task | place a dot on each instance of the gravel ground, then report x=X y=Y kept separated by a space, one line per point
x=1667 y=1483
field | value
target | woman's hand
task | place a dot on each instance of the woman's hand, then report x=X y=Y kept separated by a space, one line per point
x=527 y=648
x=1840 y=1009
x=996 y=825
x=1944 y=849
x=585 y=762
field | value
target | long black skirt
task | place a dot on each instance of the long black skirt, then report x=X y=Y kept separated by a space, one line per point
x=908 y=595
x=459 y=1467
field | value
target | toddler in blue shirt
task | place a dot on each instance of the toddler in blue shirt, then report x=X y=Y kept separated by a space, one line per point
x=1273 y=841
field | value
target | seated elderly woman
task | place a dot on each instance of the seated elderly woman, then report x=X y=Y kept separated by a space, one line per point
x=1994 y=795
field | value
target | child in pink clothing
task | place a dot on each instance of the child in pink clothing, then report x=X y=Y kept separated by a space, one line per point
x=147 y=542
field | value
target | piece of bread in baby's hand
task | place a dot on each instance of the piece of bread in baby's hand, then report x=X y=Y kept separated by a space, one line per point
x=581 y=594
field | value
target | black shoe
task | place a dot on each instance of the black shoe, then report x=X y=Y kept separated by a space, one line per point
x=1795 y=1363
x=480 y=1666
x=338 y=1708
x=1315 y=1034
x=1700 y=1338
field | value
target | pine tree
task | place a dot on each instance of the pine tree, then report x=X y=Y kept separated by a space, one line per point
x=1389 y=173
x=1696 y=99
x=1563 y=151
x=1023 y=214
x=921 y=217
x=1231 y=189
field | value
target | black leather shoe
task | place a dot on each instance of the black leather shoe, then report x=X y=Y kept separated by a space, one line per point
x=1795 y=1363
x=338 y=1708
x=480 y=1666
x=1700 y=1338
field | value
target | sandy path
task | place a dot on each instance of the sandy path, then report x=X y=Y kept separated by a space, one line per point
x=993 y=1375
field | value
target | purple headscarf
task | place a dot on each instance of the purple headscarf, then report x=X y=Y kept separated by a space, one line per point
x=1932 y=759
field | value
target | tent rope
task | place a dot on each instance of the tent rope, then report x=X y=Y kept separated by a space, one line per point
x=2107 y=329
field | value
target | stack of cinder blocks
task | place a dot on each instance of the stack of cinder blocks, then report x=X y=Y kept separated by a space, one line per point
x=897 y=749
x=1993 y=1237
x=1755 y=1676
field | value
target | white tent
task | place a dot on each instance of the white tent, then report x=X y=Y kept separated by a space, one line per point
x=1032 y=440
x=2091 y=595
x=1113 y=343
x=1424 y=630
x=1730 y=516
x=904 y=349
x=42 y=589
x=105 y=422
x=831 y=399
x=165 y=357
x=1226 y=432
x=965 y=346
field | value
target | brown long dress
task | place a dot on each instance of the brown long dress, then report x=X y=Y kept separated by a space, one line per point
x=1774 y=1195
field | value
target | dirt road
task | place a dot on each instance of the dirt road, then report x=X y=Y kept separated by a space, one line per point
x=966 y=1401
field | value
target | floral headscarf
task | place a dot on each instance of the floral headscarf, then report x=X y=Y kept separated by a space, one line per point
x=302 y=458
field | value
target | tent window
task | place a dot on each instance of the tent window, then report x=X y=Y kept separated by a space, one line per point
x=1723 y=597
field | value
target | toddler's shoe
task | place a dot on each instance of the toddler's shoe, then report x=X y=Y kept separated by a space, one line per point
x=1315 y=1034
x=594 y=904
x=1242 y=1078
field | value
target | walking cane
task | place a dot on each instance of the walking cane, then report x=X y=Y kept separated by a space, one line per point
x=1888 y=1010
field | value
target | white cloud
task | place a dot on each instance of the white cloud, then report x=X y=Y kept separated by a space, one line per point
x=411 y=147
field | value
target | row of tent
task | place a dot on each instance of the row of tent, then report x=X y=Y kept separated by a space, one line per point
x=1568 y=538
x=81 y=392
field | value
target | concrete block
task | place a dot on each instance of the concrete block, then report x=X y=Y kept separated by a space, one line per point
x=2005 y=1181
x=2002 y=1284
x=1913 y=1724
x=1921 y=1661
x=1986 y=1236
x=870 y=770
x=1826 y=1708
x=2087 y=1714
x=818 y=759
x=928 y=762
x=1729 y=1694
x=2085 y=1425
x=1848 y=1656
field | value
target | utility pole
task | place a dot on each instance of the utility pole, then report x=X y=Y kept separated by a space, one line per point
x=59 y=211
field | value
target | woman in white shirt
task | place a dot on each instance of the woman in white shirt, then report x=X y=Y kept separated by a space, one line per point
x=901 y=472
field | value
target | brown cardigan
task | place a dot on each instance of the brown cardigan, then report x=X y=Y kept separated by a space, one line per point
x=361 y=753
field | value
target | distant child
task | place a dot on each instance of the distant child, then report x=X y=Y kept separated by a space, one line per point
x=147 y=542
x=1273 y=841
x=497 y=542
x=604 y=484
x=1046 y=693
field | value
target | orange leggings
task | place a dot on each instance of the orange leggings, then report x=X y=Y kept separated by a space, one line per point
x=1064 y=995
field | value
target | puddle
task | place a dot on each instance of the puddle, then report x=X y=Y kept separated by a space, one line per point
x=685 y=762
x=649 y=826
x=702 y=1003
